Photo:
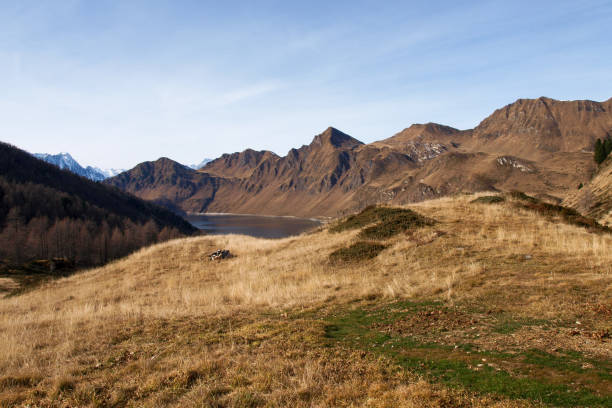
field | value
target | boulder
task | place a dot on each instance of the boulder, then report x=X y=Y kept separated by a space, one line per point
x=220 y=254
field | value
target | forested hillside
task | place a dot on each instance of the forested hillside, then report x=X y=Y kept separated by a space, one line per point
x=47 y=213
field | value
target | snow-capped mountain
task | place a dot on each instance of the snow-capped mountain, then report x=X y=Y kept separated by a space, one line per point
x=108 y=173
x=66 y=161
x=199 y=166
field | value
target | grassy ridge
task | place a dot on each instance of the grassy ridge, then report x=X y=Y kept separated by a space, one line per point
x=281 y=325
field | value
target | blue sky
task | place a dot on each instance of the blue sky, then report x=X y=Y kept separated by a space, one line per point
x=116 y=83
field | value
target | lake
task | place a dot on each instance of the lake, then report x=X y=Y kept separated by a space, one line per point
x=260 y=226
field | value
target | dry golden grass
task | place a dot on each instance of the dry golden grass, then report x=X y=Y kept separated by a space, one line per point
x=166 y=326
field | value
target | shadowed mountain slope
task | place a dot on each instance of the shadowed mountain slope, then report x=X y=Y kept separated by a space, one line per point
x=171 y=184
x=240 y=164
x=49 y=214
x=20 y=168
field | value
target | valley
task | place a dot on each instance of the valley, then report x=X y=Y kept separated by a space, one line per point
x=306 y=204
x=434 y=280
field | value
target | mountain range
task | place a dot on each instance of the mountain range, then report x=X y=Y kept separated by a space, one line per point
x=540 y=146
x=65 y=161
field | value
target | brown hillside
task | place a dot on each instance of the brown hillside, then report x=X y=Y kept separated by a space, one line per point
x=240 y=164
x=533 y=128
x=171 y=184
x=437 y=138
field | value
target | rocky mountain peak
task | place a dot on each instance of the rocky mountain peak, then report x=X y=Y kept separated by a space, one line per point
x=334 y=138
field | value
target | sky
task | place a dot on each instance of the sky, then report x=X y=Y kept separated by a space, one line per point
x=116 y=83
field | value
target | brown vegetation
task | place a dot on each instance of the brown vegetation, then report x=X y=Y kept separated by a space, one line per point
x=278 y=326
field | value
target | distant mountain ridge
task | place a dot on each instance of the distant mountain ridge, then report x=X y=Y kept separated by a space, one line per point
x=66 y=161
x=540 y=146
x=169 y=183
x=200 y=165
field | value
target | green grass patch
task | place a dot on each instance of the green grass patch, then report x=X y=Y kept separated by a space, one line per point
x=359 y=251
x=557 y=380
x=569 y=361
x=509 y=325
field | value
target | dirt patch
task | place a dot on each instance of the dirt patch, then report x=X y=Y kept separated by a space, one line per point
x=426 y=322
x=497 y=332
x=549 y=339
x=602 y=309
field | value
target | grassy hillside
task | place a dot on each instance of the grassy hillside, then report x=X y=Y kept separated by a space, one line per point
x=487 y=303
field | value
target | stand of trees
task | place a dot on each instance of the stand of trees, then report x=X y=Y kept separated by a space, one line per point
x=603 y=148
x=83 y=242
x=50 y=213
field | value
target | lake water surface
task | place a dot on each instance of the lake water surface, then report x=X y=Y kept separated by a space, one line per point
x=260 y=226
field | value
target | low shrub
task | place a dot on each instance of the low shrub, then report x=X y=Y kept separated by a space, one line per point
x=399 y=223
x=567 y=215
x=367 y=216
x=489 y=200
x=359 y=251
x=520 y=196
x=388 y=222
x=20 y=381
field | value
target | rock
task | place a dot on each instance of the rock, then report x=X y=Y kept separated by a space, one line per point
x=220 y=254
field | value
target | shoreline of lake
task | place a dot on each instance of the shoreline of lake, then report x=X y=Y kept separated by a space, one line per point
x=260 y=226
x=321 y=220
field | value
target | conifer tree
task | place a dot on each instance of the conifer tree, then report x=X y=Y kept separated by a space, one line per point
x=600 y=154
x=607 y=147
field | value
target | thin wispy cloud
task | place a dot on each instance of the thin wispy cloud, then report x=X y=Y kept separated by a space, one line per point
x=117 y=83
x=249 y=92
